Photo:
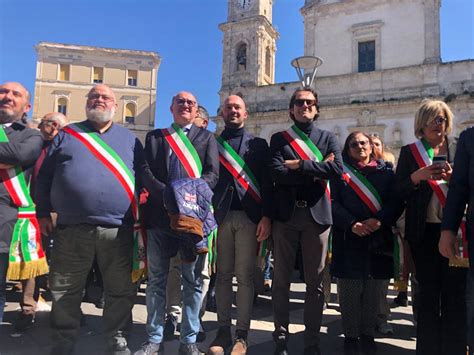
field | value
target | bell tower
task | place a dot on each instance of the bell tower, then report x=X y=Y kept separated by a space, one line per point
x=248 y=45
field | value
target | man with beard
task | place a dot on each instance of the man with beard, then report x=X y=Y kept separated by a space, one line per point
x=243 y=205
x=88 y=178
x=304 y=157
x=19 y=148
x=49 y=127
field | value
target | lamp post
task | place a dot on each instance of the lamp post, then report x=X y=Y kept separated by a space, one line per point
x=306 y=68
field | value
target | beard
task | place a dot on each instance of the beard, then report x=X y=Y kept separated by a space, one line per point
x=100 y=116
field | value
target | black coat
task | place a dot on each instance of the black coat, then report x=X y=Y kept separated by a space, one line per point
x=415 y=198
x=307 y=178
x=22 y=149
x=157 y=153
x=256 y=154
x=461 y=189
x=357 y=257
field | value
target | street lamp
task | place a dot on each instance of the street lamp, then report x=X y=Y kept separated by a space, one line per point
x=306 y=68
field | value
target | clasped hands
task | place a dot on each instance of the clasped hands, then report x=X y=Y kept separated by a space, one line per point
x=366 y=227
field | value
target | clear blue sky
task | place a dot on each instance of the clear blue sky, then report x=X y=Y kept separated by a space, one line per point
x=183 y=32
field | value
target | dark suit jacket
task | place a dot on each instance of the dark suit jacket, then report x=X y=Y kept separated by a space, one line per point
x=22 y=149
x=286 y=180
x=461 y=192
x=155 y=180
x=256 y=155
x=415 y=198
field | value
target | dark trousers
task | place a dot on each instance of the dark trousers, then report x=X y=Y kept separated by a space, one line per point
x=301 y=228
x=3 y=282
x=441 y=320
x=73 y=254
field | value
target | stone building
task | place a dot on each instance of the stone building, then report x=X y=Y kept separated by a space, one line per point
x=381 y=58
x=65 y=73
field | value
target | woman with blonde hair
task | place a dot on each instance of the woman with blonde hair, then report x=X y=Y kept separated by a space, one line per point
x=422 y=178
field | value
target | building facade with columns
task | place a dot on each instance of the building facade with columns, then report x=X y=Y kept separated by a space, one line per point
x=65 y=73
x=381 y=59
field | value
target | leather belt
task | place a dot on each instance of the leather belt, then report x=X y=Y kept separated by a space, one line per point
x=301 y=203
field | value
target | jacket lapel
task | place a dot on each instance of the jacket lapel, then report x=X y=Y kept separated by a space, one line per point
x=315 y=136
x=244 y=145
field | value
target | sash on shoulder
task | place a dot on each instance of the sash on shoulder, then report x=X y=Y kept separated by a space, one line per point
x=240 y=171
x=423 y=154
x=243 y=176
x=114 y=163
x=362 y=187
x=306 y=150
x=184 y=150
x=26 y=257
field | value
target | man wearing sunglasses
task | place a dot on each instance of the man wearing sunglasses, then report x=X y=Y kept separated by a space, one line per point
x=304 y=159
x=177 y=152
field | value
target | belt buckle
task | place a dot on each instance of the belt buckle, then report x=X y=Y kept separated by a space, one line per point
x=301 y=204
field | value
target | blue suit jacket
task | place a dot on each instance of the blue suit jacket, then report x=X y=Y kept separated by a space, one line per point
x=256 y=154
x=157 y=153
x=287 y=181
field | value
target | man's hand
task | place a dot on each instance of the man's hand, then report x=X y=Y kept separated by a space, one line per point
x=5 y=166
x=46 y=225
x=448 y=244
x=329 y=157
x=360 y=229
x=264 y=229
x=372 y=224
x=292 y=164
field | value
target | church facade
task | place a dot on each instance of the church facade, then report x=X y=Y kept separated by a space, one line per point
x=381 y=59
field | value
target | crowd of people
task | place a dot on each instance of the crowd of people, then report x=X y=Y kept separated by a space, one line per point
x=190 y=210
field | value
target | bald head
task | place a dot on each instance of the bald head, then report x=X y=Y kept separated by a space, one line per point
x=234 y=112
x=14 y=102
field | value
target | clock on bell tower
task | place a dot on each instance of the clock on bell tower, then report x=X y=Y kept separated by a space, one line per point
x=248 y=45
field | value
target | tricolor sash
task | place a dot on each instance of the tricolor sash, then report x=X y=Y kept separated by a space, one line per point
x=114 y=163
x=305 y=149
x=243 y=176
x=362 y=187
x=26 y=257
x=184 y=150
x=239 y=170
x=423 y=154
x=400 y=263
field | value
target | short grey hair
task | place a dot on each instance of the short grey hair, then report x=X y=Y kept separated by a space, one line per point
x=58 y=117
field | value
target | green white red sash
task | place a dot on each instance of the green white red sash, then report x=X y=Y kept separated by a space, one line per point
x=362 y=187
x=243 y=176
x=184 y=150
x=423 y=154
x=26 y=257
x=240 y=171
x=305 y=149
x=400 y=261
x=114 y=163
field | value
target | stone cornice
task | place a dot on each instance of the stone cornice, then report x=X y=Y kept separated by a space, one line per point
x=244 y=23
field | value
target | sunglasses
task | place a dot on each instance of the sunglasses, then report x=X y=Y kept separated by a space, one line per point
x=356 y=144
x=438 y=120
x=183 y=102
x=308 y=102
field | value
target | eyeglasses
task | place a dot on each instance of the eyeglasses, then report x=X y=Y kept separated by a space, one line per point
x=301 y=102
x=356 y=144
x=94 y=97
x=438 y=120
x=183 y=102
x=49 y=123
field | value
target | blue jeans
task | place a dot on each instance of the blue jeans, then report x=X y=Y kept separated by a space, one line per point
x=3 y=282
x=158 y=268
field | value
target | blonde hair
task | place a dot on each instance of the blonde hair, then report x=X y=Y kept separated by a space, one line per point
x=428 y=111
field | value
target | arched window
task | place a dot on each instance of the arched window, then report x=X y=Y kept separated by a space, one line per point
x=268 y=62
x=62 y=105
x=130 y=112
x=241 y=57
